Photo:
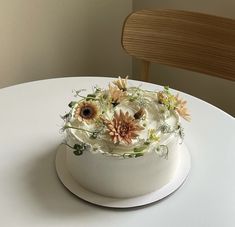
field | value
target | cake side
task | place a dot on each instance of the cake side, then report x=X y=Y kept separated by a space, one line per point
x=124 y=177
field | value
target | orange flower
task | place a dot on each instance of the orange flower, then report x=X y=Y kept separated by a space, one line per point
x=86 y=110
x=181 y=108
x=123 y=127
x=115 y=94
x=121 y=83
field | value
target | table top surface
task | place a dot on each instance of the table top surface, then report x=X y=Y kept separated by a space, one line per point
x=32 y=195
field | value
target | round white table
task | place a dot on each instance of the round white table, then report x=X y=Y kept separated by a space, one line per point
x=32 y=195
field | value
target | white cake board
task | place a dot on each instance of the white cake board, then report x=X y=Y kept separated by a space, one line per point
x=74 y=187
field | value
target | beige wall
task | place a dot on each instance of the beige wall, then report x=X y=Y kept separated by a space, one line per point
x=50 y=38
x=216 y=91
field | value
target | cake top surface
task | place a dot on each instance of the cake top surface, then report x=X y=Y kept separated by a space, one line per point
x=124 y=121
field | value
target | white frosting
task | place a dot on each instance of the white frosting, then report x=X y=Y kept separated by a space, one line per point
x=108 y=172
x=122 y=178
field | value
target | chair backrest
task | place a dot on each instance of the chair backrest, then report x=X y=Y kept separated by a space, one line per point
x=188 y=40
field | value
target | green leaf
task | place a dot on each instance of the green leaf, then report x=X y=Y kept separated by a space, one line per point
x=166 y=88
x=139 y=149
x=79 y=148
x=77 y=152
x=94 y=135
x=91 y=95
x=66 y=116
x=139 y=155
x=72 y=104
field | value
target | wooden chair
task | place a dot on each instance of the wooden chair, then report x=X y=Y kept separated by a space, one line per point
x=188 y=40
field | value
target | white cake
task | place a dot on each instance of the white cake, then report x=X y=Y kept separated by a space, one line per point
x=124 y=141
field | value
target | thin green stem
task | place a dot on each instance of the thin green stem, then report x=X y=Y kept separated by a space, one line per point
x=82 y=129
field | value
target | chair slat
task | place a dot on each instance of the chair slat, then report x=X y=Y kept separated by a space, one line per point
x=187 y=40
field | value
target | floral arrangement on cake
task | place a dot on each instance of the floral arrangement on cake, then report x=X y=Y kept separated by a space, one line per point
x=124 y=121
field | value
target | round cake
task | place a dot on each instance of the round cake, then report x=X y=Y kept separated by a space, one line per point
x=124 y=141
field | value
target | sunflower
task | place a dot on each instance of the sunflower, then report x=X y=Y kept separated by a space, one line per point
x=86 y=110
x=121 y=83
x=123 y=127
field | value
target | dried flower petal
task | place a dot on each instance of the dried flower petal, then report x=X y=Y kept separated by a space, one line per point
x=181 y=108
x=121 y=83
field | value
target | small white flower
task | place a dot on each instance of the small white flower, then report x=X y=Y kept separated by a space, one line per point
x=95 y=148
x=162 y=151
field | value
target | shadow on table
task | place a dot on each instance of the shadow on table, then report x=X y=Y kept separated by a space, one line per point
x=46 y=191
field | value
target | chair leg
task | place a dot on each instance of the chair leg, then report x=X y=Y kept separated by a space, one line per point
x=145 y=65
